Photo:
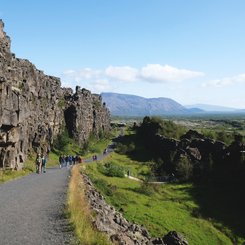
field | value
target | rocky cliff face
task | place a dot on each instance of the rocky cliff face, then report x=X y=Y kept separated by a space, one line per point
x=34 y=109
x=84 y=114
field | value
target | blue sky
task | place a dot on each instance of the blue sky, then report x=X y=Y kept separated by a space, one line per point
x=190 y=51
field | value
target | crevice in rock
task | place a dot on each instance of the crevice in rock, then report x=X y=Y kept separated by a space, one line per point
x=70 y=120
x=6 y=128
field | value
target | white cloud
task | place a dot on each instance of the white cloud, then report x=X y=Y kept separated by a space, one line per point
x=122 y=73
x=83 y=74
x=149 y=73
x=99 y=86
x=69 y=72
x=166 y=73
x=225 y=81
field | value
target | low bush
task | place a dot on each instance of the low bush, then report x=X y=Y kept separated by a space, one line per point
x=112 y=170
x=184 y=169
x=121 y=148
x=146 y=188
x=106 y=188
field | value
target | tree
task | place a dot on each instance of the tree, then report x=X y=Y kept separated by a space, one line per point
x=62 y=141
x=184 y=168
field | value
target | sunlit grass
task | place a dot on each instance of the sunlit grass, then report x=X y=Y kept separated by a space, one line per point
x=136 y=169
x=80 y=214
x=168 y=207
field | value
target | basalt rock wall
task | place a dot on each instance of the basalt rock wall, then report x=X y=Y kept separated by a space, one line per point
x=85 y=114
x=198 y=149
x=34 y=109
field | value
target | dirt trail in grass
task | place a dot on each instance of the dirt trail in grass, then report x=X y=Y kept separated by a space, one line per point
x=32 y=209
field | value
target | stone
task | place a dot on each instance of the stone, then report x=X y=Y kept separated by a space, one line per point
x=174 y=238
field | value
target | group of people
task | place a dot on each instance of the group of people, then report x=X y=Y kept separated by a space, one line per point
x=41 y=161
x=66 y=161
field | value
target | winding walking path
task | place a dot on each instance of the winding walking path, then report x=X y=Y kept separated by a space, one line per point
x=32 y=209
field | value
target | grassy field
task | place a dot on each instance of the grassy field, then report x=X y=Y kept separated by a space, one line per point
x=137 y=169
x=160 y=208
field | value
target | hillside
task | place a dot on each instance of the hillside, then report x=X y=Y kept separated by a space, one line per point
x=131 y=105
x=213 y=108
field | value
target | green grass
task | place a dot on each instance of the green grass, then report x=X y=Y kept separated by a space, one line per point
x=137 y=169
x=7 y=175
x=80 y=214
x=95 y=146
x=29 y=167
x=168 y=207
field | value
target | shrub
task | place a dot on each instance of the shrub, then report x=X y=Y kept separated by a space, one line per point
x=112 y=170
x=103 y=186
x=62 y=141
x=147 y=188
x=121 y=148
x=184 y=169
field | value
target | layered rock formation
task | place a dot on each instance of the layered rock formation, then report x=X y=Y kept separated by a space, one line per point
x=34 y=109
x=84 y=114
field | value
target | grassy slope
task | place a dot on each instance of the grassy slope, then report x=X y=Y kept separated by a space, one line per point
x=137 y=169
x=169 y=207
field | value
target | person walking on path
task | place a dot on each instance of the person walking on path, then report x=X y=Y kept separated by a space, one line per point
x=61 y=161
x=38 y=163
x=44 y=162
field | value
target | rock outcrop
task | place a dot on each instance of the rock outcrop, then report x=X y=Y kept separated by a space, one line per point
x=197 y=147
x=85 y=113
x=119 y=230
x=34 y=109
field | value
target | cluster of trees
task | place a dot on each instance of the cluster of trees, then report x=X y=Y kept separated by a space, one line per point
x=221 y=135
x=171 y=159
x=156 y=125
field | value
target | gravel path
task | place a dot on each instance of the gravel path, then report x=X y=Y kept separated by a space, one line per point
x=32 y=209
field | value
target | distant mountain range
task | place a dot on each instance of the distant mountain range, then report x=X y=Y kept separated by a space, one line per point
x=212 y=108
x=132 y=105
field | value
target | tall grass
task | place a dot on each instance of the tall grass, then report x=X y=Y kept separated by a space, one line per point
x=80 y=214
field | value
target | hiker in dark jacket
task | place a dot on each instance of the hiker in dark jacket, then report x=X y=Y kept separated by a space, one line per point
x=44 y=162
x=38 y=163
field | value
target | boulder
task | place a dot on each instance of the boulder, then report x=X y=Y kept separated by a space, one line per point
x=174 y=238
